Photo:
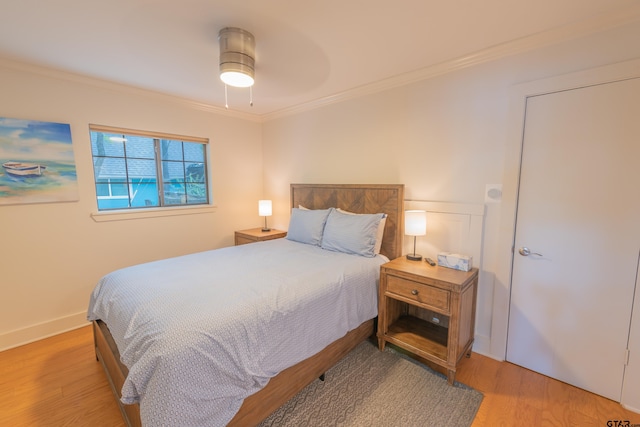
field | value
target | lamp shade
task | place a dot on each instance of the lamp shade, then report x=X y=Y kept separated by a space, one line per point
x=237 y=53
x=264 y=207
x=236 y=78
x=415 y=223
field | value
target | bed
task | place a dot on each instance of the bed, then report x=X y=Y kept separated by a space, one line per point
x=290 y=378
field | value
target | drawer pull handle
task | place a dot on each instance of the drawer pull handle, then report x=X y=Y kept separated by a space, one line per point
x=414 y=292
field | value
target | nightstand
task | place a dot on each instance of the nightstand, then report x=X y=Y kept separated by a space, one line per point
x=428 y=311
x=257 y=235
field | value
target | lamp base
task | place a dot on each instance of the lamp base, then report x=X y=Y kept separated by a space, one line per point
x=266 y=229
x=414 y=257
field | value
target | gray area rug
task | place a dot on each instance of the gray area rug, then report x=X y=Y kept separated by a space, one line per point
x=373 y=388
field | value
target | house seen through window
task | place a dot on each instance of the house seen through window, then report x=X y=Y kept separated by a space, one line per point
x=137 y=170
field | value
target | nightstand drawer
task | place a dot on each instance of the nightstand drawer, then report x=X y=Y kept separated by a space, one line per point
x=423 y=294
x=242 y=240
x=252 y=235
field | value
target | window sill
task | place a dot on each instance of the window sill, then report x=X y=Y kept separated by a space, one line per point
x=122 y=215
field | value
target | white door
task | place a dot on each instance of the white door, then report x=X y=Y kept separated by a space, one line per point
x=579 y=217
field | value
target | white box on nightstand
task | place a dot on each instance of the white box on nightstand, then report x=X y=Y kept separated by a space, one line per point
x=455 y=261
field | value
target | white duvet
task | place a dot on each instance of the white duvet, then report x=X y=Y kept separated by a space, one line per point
x=201 y=332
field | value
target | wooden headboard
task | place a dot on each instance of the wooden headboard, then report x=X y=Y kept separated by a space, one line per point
x=359 y=198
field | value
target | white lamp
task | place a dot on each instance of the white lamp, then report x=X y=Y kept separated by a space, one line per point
x=415 y=224
x=264 y=209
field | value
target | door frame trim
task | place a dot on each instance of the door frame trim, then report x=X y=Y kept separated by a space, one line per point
x=518 y=96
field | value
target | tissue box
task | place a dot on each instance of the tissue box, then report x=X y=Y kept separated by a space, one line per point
x=455 y=261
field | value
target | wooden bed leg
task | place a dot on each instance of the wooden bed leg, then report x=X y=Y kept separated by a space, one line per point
x=321 y=377
x=95 y=341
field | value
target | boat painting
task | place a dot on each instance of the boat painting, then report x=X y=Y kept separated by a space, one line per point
x=23 y=170
x=38 y=164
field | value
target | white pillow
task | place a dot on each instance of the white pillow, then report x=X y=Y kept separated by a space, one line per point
x=379 y=233
x=307 y=226
x=352 y=234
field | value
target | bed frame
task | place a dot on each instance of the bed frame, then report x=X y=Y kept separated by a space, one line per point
x=358 y=198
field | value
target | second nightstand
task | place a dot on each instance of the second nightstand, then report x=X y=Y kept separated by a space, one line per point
x=257 y=235
x=429 y=311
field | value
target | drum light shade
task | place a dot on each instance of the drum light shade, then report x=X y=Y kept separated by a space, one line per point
x=265 y=210
x=237 y=57
x=264 y=207
x=415 y=224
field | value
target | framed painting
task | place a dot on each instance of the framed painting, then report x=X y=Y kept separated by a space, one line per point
x=37 y=162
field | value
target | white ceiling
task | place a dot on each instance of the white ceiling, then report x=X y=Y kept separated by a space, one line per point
x=306 y=50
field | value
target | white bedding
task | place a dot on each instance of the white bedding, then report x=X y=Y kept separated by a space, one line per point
x=201 y=332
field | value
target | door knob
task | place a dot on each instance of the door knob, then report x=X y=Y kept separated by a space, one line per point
x=525 y=251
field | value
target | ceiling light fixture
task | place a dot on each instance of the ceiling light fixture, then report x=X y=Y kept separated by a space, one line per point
x=237 y=59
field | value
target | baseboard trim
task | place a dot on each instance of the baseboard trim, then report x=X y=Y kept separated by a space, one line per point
x=630 y=408
x=42 y=330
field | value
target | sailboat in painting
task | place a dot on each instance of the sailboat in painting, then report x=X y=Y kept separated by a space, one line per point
x=23 y=170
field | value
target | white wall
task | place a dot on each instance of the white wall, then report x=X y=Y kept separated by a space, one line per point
x=444 y=138
x=51 y=255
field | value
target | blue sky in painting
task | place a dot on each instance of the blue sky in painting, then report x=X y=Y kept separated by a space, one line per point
x=28 y=140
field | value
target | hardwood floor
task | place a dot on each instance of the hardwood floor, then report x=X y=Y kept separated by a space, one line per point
x=514 y=396
x=58 y=382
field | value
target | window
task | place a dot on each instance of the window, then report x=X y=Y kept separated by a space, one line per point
x=137 y=170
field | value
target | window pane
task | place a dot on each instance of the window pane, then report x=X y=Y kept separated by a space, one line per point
x=107 y=145
x=171 y=150
x=196 y=193
x=119 y=189
x=139 y=169
x=194 y=152
x=144 y=192
x=148 y=200
x=105 y=168
x=195 y=173
x=140 y=147
x=173 y=171
x=102 y=189
x=174 y=194
x=105 y=204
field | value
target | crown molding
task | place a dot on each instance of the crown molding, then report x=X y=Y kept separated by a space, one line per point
x=524 y=44
x=54 y=73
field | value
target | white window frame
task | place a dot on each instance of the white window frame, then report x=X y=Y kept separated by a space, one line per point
x=155 y=211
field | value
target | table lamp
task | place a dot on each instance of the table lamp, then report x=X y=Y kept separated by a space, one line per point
x=264 y=209
x=415 y=224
